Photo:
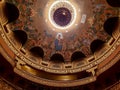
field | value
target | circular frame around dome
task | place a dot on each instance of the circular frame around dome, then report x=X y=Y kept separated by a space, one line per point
x=52 y=6
x=59 y=4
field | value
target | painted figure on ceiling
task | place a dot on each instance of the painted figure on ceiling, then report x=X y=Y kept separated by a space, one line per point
x=58 y=42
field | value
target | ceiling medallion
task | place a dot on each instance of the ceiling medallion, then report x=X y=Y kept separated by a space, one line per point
x=62 y=15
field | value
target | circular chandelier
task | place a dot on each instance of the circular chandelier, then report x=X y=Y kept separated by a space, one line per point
x=62 y=14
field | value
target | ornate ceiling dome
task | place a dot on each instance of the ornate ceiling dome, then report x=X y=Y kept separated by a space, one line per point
x=61 y=43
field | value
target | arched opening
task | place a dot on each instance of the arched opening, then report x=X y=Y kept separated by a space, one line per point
x=57 y=58
x=96 y=45
x=111 y=24
x=21 y=36
x=77 y=56
x=114 y=3
x=37 y=51
x=11 y=12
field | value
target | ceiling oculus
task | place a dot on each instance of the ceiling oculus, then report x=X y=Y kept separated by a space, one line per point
x=62 y=14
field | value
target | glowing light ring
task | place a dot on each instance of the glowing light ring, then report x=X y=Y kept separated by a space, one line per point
x=58 y=4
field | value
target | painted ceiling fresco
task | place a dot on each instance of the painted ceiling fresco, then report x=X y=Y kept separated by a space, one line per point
x=32 y=21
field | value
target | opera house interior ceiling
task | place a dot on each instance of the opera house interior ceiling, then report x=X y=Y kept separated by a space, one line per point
x=59 y=44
